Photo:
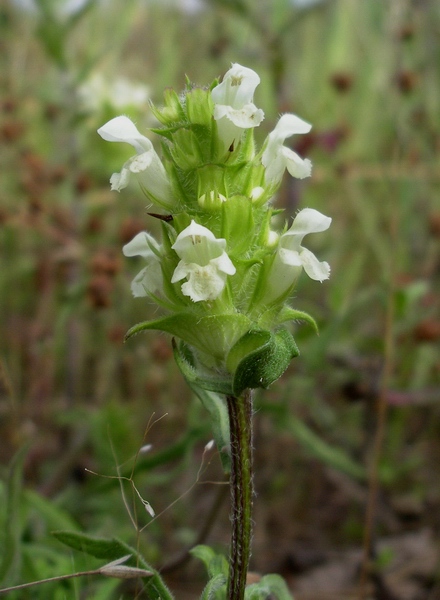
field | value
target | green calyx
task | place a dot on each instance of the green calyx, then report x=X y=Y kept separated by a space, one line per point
x=259 y=358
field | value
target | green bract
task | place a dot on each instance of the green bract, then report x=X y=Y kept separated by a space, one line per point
x=221 y=273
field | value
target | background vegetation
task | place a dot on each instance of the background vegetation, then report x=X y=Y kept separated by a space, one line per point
x=77 y=406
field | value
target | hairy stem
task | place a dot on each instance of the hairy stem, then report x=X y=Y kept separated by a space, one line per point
x=241 y=484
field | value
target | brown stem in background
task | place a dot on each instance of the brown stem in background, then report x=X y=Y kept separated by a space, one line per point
x=373 y=476
x=381 y=415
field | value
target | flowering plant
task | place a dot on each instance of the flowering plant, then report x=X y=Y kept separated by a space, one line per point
x=223 y=275
x=221 y=272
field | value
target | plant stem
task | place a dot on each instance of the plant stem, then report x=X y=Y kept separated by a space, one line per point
x=241 y=485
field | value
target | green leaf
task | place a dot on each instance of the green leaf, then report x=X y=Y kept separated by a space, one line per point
x=205 y=389
x=104 y=548
x=212 y=334
x=53 y=515
x=11 y=562
x=291 y=314
x=216 y=564
x=112 y=549
x=213 y=586
x=272 y=586
x=218 y=569
x=260 y=357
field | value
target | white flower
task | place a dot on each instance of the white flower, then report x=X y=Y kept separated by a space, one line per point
x=97 y=92
x=204 y=263
x=149 y=279
x=276 y=157
x=291 y=257
x=234 y=109
x=146 y=164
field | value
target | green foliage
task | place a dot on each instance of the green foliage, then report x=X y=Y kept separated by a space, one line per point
x=205 y=389
x=272 y=586
x=111 y=550
x=11 y=555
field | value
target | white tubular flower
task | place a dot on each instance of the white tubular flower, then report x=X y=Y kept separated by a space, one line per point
x=292 y=253
x=234 y=109
x=204 y=263
x=291 y=257
x=146 y=164
x=276 y=157
x=149 y=279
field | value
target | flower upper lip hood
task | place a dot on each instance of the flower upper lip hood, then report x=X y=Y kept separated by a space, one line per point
x=203 y=261
x=146 y=164
x=236 y=90
x=276 y=157
x=122 y=129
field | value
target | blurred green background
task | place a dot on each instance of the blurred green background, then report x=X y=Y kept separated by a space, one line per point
x=366 y=74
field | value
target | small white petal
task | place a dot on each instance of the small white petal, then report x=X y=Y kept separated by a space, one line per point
x=275 y=166
x=224 y=264
x=148 y=280
x=180 y=272
x=315 y=270
x=244 y=117
x=141 y=162
x=118 y=181
x=141 y=245
x=297 y=167
x=204 y=283
x=290 y=257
